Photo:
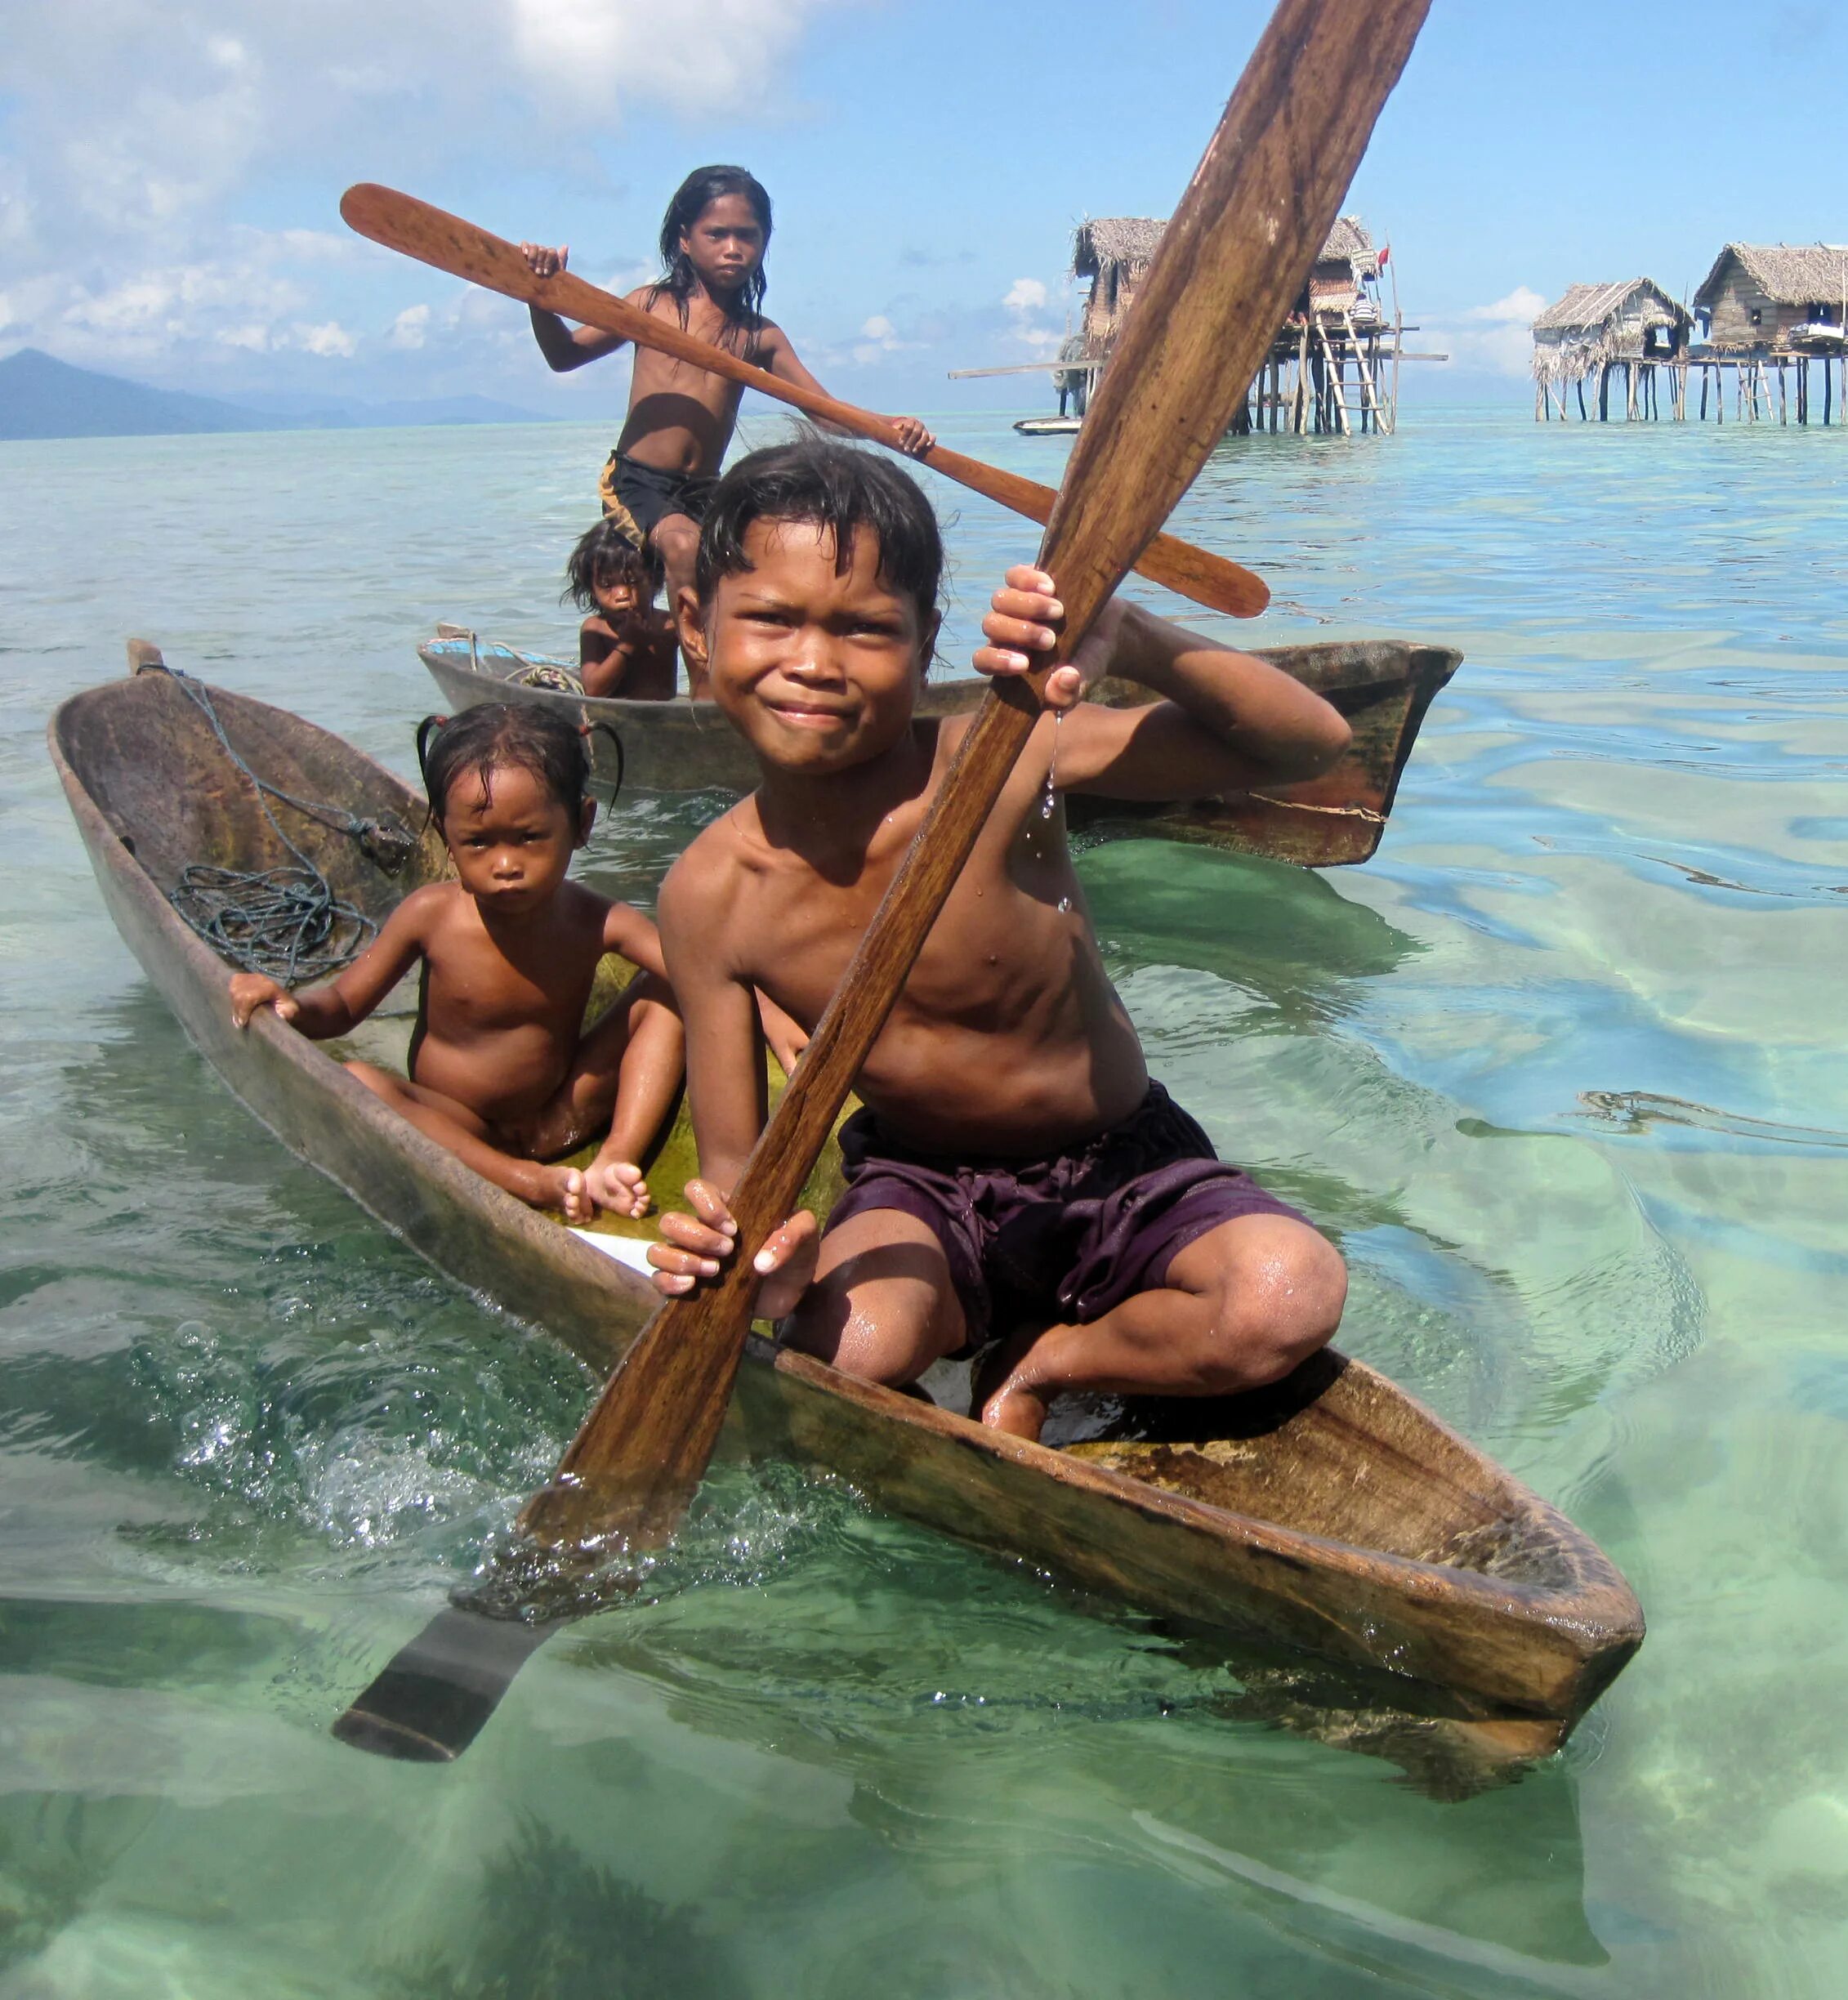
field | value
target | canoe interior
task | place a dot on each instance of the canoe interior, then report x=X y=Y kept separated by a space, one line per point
x=1350 y=1493
x=1383 y=687
x=154 y=767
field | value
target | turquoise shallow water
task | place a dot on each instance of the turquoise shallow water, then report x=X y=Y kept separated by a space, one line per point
x=1561 y=1066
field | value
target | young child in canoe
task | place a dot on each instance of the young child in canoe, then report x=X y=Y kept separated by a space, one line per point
x=659 y=478
x=626 y=645
x=501 y=1070
x=1014 y=1173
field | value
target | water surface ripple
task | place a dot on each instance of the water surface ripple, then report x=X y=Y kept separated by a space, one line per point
x=1561 y=1068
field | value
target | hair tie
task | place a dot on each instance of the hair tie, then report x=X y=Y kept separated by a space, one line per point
x=587 y=730
x=427 y=728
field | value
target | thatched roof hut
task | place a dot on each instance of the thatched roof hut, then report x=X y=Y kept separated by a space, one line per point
x=1591 y=326
x=1113 y=252
x=1759 y=295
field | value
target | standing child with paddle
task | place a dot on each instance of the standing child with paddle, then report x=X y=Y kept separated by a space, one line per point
x=1014 y=1165
x=501 y=1070
x=659 y=480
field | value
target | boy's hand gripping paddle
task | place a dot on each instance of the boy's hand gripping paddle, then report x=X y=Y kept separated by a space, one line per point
x=432 y=236
x=1233 y=259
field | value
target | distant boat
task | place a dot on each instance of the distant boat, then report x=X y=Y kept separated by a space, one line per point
x=1049 y=426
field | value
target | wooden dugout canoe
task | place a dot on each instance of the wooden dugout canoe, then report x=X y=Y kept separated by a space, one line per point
x=1382 y=686
x=1334 y=1513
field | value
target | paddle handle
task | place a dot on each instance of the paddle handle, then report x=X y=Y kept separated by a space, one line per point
x=433 y=236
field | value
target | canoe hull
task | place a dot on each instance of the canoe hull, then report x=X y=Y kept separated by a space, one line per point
x=1383 y=687
x=1475 y=1650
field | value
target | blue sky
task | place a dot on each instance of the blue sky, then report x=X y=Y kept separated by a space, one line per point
x=169 y=171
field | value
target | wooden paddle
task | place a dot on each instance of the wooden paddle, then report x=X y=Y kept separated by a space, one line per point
x=1234 y=257
x=432 y=236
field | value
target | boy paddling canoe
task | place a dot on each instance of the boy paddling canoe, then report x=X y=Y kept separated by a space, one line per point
x=659 y=480
x=1014 y=1166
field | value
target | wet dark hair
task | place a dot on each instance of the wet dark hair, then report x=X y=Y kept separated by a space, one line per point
x=833 y=487
x=604 y=555
x=702 y=186
x=499 y=734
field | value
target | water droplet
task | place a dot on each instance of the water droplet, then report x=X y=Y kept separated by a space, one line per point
x=1064 y=904
x=1047 y=803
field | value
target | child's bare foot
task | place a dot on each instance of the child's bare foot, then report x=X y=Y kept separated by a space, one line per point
x=1006 y=1393
x=1017 y=1409
x=617 y=1185
x=567 y=1188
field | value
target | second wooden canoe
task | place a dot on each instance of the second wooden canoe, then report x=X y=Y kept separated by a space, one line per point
x=1382 y=686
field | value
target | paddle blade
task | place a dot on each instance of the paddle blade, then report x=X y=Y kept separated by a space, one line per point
x=1232 y=262
x=429 y=1705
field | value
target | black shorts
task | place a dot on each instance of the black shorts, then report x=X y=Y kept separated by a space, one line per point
x=1069 y=1237
x=638 y=497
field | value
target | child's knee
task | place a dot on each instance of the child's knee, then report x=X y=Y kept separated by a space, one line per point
x=1279 y=1290
x=649 y=997
x=381 y=1083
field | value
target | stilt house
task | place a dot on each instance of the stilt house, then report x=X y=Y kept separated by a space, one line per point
x=1767 y=298
x=1595 y=328
x=1339 y=323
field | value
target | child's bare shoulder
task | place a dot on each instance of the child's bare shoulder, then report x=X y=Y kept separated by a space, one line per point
x=425 y=910
x=700 y=887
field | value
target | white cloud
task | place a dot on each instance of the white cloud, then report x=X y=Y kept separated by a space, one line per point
x=1521 y=307
x=1025 y=299
x=329 y=339
x=133 y=126
x=411 y=329
x=1494 y=338
x=879 y=336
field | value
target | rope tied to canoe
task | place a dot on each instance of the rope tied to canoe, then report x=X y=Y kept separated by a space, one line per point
x=285 y=921
x=549 y=675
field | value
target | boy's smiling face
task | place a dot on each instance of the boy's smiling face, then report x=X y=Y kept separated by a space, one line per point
x=818 y=670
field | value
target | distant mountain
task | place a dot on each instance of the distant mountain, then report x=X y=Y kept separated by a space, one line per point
x=43 y=397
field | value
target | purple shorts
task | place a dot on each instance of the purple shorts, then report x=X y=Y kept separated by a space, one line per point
x=1069 y=1237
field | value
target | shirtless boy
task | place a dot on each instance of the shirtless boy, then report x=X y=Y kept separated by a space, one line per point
x=1014 y=1165
x=501 y=1070
x=659 y=478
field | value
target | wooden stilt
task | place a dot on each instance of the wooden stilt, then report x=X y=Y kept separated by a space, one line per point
x=1783 y=412
x=1829 y=387
x=1629 y=392
x=1582 y=418
x=1703 y=393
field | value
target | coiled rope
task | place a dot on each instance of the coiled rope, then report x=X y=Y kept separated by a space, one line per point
x=285 y=922
x=547 y=674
